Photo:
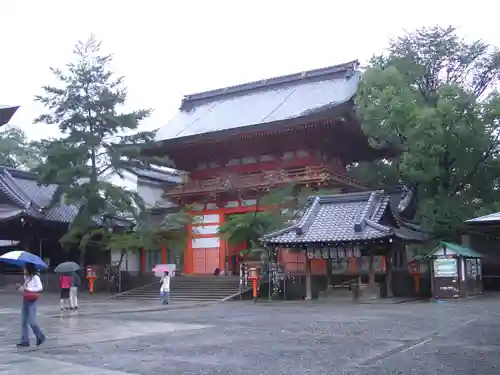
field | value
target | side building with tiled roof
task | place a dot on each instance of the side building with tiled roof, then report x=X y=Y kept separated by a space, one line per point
x=483 y=235
x=340 y=233
x=29 y=214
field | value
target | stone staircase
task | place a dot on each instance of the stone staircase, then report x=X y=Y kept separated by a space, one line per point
x=188 y=289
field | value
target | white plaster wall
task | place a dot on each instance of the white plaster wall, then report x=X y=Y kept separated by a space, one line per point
x=206 y=229
x=206 y=219
x=131 y=261
x=150 y=192
x=200 y=243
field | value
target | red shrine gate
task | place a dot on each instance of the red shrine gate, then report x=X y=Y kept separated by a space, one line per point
x=238 y=142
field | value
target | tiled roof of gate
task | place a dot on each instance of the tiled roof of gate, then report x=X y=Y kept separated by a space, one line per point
x=266 y=101
x=344 y=218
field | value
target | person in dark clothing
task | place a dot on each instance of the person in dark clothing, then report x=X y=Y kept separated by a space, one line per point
x=234 y=264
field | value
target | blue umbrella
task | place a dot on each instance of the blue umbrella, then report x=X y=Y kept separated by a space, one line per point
x=20 y=258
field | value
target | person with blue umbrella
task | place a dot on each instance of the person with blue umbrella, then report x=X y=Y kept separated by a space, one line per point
x=31 y=289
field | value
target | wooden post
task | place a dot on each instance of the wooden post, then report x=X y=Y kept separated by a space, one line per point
x=143 y=261
x=163 y=254
x=328 y=263
x=308 y=279
x=416 y=279
x=371 y=268
x=388 y=272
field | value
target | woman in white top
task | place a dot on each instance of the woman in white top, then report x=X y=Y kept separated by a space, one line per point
x=31 y=292
x=165 y=287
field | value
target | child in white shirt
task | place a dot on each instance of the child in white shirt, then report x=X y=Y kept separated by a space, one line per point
x=165 y=287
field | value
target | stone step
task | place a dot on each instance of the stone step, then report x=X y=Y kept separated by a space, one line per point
x=192 y=293
x=187 y=291
x=188 y=288
x=178 y=298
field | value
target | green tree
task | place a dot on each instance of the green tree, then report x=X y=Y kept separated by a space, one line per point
x=98 y=140
x=433 y=99
x=15 y=150
x=150 y=233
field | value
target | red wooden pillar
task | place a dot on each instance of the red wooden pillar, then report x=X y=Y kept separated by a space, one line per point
x=222 y=247
x=352 y=264
x=163 y=254
x=143 y=261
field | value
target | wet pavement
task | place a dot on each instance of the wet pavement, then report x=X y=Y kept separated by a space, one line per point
x=49 y=305
x=458 y=337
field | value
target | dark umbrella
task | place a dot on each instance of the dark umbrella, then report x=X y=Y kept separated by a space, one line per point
x=6 y=113
x=67 y=267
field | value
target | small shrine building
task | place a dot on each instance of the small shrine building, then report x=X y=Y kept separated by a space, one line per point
x=353 y=234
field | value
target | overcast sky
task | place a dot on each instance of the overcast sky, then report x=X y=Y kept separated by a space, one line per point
x=170 y=48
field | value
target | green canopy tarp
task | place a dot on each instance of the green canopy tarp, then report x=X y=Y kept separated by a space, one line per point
x=457 y=249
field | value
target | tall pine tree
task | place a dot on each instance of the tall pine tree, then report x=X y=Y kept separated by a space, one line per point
x=98 y=140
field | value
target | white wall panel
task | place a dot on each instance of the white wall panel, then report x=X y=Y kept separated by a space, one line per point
x=206 y=229
x=198 y=243
x=131 y=260
x=232 y=204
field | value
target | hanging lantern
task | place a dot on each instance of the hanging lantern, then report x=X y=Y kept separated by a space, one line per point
x=357 y=251
x=317 y=254
x=333 y=253
x=325 y=253
x=310 y=252
x=341 y=252
x=348 y=253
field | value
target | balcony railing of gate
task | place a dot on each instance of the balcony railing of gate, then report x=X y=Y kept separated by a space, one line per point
x=265 y=179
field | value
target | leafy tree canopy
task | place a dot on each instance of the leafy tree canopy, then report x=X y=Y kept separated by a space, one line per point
x=15 y=150
x=433 y=97
x=151 y=233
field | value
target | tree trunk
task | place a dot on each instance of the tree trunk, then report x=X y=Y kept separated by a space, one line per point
x=82 y=258
x=122 y=255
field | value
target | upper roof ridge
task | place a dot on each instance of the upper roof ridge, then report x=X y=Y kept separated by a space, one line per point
x=348 y=67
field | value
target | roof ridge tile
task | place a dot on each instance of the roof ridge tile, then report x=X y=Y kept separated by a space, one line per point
x=308 y=218
x=268 y=82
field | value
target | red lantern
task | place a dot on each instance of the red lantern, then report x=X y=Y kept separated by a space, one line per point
x=414 y=267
